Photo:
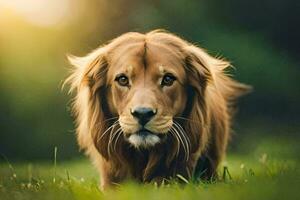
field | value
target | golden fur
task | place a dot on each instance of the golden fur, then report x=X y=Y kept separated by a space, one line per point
x=193 y=114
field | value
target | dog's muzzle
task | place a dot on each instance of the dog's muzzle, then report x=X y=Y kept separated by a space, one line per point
x=145 y=139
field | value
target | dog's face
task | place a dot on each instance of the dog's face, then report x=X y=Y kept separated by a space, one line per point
x=147 y=90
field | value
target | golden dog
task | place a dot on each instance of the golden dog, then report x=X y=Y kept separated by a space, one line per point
x=152 y=106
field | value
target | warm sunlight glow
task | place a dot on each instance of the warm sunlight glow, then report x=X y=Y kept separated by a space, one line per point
x=39 y=12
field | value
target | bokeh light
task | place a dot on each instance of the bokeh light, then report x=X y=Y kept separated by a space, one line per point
x=41 y=12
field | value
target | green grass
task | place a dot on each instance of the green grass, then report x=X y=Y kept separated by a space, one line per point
x=266 y=169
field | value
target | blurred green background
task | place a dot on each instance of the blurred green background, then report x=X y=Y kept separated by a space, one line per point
x=260 y=38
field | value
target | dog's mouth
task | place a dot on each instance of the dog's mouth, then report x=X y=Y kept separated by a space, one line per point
x=145 y=138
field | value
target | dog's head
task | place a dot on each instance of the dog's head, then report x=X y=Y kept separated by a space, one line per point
x=143 y=88
x=147 y=89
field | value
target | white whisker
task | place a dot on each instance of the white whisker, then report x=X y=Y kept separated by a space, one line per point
x=116 y=141
x=181 y=140
x=111 y=138
x=107 y=130
x=184 y=137
x=178 y=142
x=183 y=132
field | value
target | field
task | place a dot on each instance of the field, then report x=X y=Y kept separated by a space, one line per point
x=260 y=39
x=264 y=169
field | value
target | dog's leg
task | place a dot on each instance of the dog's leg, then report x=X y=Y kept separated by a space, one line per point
x=206 y=167
x=110 y=175
x=105 y=174
x=209 y=161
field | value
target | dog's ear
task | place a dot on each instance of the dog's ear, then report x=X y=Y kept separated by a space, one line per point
x=211 y=93
x=88 y=80
x=212 y=71
x=85 y=70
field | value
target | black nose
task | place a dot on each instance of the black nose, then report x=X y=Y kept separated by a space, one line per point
x=143 y=114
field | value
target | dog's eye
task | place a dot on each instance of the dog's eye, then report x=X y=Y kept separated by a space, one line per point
x=122 y=80
x=168 y=80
